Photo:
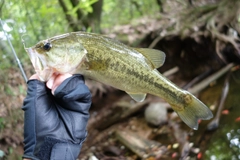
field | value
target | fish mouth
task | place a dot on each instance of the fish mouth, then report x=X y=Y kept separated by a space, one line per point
x=43 y=71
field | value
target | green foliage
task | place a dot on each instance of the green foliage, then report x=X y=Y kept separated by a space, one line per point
x=9 y=91
x=122 y=12
x=2 y=124
x=22 y=89
x=84 y=5
x=36 y=19
x=228 y=142
x=43 y=19
x=10 y=150
x=4 y=55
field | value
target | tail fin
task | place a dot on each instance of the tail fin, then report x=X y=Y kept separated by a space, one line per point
x=194 y=111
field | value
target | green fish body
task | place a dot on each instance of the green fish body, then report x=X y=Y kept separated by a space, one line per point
x=113 y=63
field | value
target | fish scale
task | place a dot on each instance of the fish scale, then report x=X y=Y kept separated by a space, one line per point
x=135 y=74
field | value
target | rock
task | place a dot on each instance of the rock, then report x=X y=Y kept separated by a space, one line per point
x=156 y=113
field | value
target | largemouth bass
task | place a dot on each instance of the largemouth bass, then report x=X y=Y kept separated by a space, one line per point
x=108 y=61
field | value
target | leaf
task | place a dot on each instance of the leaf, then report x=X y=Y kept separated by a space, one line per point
x=45 y=10
x=85 y=6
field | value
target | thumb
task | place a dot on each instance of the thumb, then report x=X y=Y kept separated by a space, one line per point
x=56 y=80
x=50 y=82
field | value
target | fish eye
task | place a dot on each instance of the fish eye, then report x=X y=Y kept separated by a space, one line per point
x=47 y=46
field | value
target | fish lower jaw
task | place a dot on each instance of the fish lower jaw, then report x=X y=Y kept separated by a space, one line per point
x=44 y=75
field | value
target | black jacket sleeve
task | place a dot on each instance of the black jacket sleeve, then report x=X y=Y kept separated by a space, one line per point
x=55 y=126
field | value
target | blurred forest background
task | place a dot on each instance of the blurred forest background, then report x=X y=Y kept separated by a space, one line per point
x=200 y=39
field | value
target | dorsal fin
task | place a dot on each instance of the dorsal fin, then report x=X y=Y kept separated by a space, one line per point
x=156 y=57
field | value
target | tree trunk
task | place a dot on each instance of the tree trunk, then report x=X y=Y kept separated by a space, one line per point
x=94 y=18
x=159 y=2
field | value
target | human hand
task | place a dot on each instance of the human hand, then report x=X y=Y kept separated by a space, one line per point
x=54 y=81
x=56 y=115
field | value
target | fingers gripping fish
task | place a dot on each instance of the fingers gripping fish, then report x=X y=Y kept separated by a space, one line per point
x=113 y=63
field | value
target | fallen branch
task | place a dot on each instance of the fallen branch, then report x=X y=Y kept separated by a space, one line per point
x=118 y=112
x=197 y=79
x=171 y=71
x=203 y=84
x=215 y=122
x=144 y=148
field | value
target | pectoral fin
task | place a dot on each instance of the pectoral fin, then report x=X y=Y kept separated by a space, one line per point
x=139 y=97
x=156 y=57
